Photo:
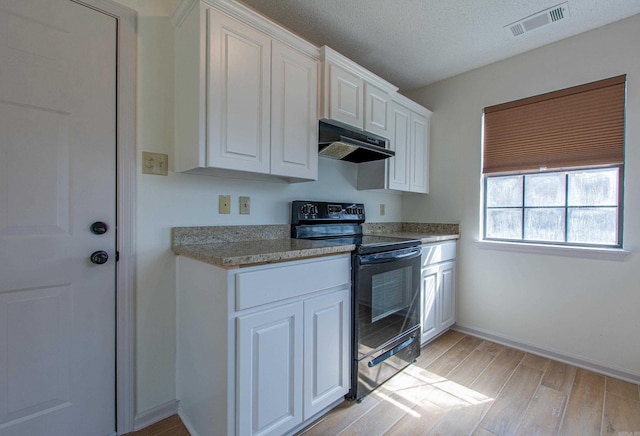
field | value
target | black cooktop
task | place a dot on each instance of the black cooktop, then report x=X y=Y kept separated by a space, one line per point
x=341 y=223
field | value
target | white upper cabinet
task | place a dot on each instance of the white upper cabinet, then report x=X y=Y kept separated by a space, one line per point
x=238 y=95
x=246 y=94
x=400 y=142
x=345 y=95
x=294 y=113
x=419 y=162
x=408 y=134
x=377 y=104
x=353 y=95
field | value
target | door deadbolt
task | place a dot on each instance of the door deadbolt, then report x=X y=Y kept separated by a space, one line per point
x=99 y=228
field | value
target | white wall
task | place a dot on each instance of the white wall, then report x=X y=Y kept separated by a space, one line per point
x=584 y=308
x=190 y=200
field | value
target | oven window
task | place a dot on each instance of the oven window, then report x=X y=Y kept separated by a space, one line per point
x=390 y=293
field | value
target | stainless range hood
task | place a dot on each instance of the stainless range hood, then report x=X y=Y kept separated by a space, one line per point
x=347 y=143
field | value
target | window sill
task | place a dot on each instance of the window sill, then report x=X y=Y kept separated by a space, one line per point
x=616 y=254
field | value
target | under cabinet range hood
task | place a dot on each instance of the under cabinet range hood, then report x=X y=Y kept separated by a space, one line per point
x=347 y=143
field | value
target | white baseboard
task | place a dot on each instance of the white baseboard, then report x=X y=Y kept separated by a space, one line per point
x=155 y=414
x=551 y=354
x=187 y=423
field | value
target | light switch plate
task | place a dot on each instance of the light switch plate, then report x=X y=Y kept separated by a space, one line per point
x=155 y=163
x=382 y=209
x=224 y=204
x=245 y=205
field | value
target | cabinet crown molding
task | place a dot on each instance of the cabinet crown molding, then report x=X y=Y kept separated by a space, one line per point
x=330 y=55
x=411 y=105
x=252 y=18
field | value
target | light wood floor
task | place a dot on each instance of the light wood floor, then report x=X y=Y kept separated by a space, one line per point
x=171 y=426
x=463 y=385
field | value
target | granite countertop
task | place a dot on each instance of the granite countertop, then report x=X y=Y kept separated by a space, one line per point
x=245 y=253
x=238 y=246
x=425 y=238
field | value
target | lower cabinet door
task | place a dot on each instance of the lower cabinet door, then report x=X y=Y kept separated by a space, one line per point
x=269 y=365
x=448 y=294
x=326 y=350
x=430 y=302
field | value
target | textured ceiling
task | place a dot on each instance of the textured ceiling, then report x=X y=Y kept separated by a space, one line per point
x=412 y=43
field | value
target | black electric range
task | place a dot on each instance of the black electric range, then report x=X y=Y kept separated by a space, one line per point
x=385 y=303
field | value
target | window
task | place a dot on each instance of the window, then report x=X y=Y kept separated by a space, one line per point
x=566 y=207
x=553 y=167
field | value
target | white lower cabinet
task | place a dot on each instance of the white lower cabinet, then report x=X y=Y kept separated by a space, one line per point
x=327 y=335
x=438 y=290
x=262 y=349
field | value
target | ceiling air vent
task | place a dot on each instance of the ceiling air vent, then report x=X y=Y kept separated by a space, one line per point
x=539 y=19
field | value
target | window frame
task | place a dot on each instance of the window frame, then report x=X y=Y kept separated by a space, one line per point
x=528 y=242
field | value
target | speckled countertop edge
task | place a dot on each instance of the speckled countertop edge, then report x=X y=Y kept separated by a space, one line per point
x=246 y=253
x=238 y=246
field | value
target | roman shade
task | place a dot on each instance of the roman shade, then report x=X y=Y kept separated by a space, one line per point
x=574 y=127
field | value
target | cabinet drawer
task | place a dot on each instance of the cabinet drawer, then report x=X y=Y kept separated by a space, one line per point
x=436 y=253
x=255 y=288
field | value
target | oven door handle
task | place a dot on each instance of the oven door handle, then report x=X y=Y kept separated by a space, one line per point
x=387 y=354
x=390 y=256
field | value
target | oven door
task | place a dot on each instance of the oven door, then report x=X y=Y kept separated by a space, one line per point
x=387 y=298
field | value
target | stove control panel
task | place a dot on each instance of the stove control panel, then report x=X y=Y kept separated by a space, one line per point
x=318 y=211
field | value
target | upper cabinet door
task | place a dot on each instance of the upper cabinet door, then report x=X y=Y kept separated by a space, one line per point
x=345 y=96
x=377 y=111
x=400 y=142
x=238 y=103
x=294 y=113
x=420 y=153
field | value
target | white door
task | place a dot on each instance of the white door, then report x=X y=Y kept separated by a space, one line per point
x=57 y=177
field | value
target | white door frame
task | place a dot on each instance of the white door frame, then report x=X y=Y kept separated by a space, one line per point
x=126 y=204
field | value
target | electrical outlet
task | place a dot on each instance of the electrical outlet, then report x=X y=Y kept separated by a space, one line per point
x=382 y=209
x=224 y=204
x=155 y=163
x=245 y=205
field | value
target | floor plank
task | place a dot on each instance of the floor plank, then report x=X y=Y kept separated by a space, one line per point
x=535 y=362
x=171 y=426
x=559 y=376
x=340 y=417
x=438 y=347
x=622 y=388
x=621 y=416
x=505 y=413
x=427 y=414
x=454 y=356
x=544 y=414
x=583 y=414
x=466 y=372
x=497 y=373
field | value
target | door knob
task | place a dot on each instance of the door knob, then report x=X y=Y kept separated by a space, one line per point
x=99 y=257
x=99 y=228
